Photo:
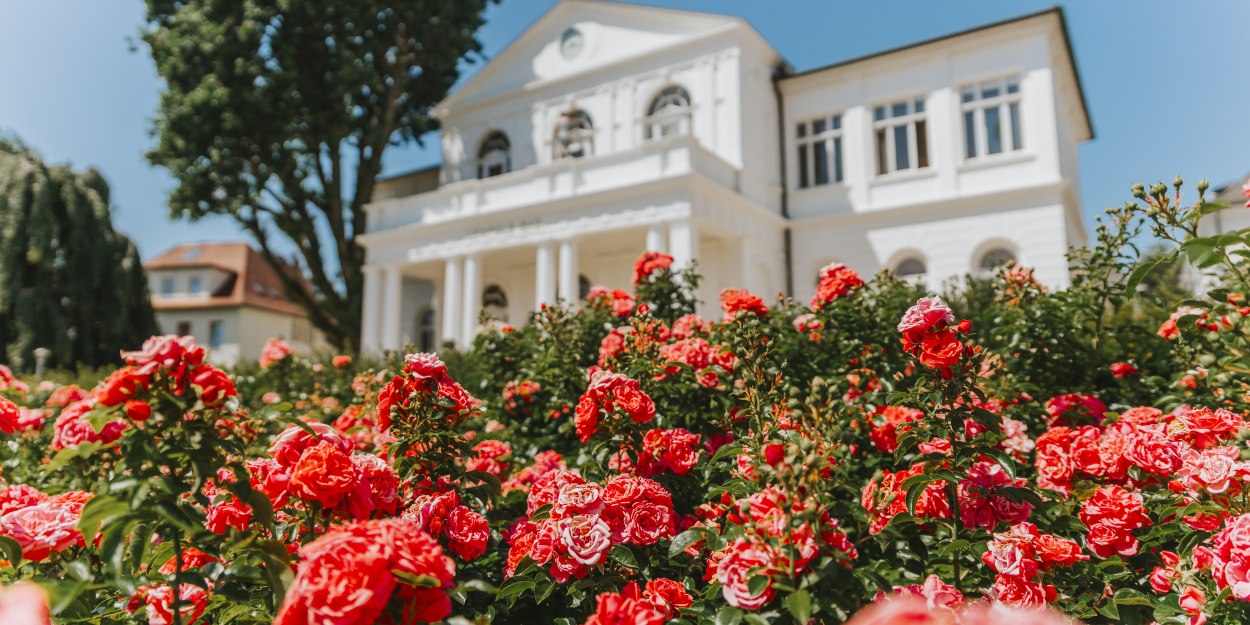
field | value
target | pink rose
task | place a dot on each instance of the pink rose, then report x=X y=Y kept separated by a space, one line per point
x=586 y=538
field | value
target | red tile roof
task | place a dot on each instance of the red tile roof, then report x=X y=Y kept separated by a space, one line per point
x=252 y=281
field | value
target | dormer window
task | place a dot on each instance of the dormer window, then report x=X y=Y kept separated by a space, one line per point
x=669 y=113
x=574 y=136
x=494 y=157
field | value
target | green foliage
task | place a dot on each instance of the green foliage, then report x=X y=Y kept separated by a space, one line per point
x=278 y=114
x=68 y=281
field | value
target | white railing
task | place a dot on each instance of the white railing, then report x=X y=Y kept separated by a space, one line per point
x=660 y=159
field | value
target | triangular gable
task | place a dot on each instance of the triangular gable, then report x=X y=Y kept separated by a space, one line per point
x=610 y=32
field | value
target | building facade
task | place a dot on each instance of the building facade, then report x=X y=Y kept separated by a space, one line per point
x=608 y=129
x=225 y=296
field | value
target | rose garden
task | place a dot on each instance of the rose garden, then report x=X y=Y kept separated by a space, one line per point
x=1000 y=454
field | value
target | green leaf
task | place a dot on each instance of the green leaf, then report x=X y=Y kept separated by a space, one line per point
x=11 y=550
x=624 y=556
x=684 y=540
x=799 y=604
x=728 y=615
x=1143 y=270
x=758 y=584
x=514 y=587
x=490 y=479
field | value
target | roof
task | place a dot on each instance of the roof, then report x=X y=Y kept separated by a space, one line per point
x=1232 y=192
x=251 y=281
x=1056 y=11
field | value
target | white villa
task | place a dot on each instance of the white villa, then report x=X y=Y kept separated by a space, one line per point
x=607 y=129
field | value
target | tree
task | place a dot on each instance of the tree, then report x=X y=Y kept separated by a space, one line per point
x=277 y=114
x=68 y=281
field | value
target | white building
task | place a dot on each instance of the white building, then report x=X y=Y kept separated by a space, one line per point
x=607 y=129
x=225 y=296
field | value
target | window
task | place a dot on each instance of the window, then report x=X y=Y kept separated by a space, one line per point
x=575 y=135
x=216 y=331
x=911 y=269
x=301 y=331
x=583 y=286
x=991 y=117
x=994 y=258
x=167 y=286
x=183 y=328
x=495 y=155
x=820 y=151
x=197 y=284
x=901 y=135
x=425 y=330
x=192 y=253
x=495 y=303
x=669 y=113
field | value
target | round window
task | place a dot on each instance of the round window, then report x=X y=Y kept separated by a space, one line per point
x=571 y=43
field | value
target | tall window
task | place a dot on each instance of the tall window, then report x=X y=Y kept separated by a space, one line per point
x=495 y=303
x=820 y=151
x=902 y=136
x=167 y=286
x=183 y=328
x=575 y=135
x=991 y=117
x=425 y=329
x=994 y=258
x=669 y=113
x=216 y=333
x=197 y=284
x=495 y=155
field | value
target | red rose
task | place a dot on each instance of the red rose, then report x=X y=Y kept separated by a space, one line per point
x=586 y=418
x=138 y=410
x=940 y=350
x=323 y=474
x=630 y=398
x=743 y=562
x=9 y=416
x=122 y=385
x=233 y=513
x=667 y=594
x=340 y=361
x=215 y=385
x=648 y=522
x=585 y=538
x=1019 y=592
x=467 y=533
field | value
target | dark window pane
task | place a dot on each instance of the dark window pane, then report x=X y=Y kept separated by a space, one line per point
x=900 y=148
x=818 y=126
x=970 y=134
x=803 y=166
x=802 y=130
x=993 y=131
x=967 y=96
x=820 y=158
x=881 y=169
x=899 y=109
x=837 y=159
x=919 y=105
x=1015 y=126
x=922 y=144
x=878 y=113
x=1013 y=87
x=989 y=92
x=837 y=122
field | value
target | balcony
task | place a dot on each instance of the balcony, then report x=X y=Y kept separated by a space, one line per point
x=666 y=158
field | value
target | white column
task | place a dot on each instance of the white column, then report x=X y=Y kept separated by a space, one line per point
x=370 y=323
x=683 y=243
x=568 y=272
x=472 y=298
x=392 y=285
x=544 y=276
x=451 y=300
x=655 y=239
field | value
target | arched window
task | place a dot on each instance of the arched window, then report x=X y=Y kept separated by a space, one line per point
x=669 y=113
x=425 y=329
x=911 y=269
x=494 y=157
x=495 y=303
x=574 y=136
x=994 y=258
x=583 y=286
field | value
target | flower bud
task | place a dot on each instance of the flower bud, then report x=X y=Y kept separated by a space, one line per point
x=1203 y=185
x=1177 y=182
x=1139 y=191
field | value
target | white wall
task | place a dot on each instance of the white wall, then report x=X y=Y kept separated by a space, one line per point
x=245 y=330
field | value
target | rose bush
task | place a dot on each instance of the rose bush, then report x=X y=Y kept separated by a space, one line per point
x=1000 y=454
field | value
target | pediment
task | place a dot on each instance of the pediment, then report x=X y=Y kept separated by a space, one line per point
x=579 y=36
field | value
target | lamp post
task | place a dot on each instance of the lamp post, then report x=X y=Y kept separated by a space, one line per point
x=41 y=359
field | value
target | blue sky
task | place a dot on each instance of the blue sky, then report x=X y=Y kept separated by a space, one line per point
x=1168 y=84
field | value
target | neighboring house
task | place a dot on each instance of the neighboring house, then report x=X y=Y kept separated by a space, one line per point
x=228 y=298
x=607 y=129
x=1235 y=217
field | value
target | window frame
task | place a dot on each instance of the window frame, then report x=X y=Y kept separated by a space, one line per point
x=805 y=141
x=1011 y=129
x=581 y=132
x=216 y=333
x=671 y=106
x=486 y=159
x=916 y=112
